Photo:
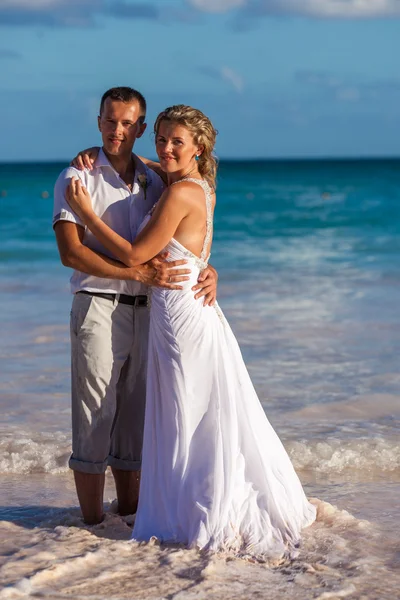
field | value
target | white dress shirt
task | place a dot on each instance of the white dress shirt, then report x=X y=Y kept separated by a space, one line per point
x=122 y=209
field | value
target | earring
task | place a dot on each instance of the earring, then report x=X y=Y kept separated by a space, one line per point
x=196 y=158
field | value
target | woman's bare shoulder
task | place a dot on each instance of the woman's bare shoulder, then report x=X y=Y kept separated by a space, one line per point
x=186 y=185
x=192 y=192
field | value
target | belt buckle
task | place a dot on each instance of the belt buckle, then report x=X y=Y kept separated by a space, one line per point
x=140 y=302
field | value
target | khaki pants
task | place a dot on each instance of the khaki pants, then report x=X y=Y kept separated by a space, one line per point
x=108 y=366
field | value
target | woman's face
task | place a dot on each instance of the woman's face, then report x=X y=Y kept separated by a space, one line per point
x=175 y=147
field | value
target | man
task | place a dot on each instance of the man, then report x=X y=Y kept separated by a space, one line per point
x=110 y=316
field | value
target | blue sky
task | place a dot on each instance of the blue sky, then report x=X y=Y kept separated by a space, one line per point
x=279 y=78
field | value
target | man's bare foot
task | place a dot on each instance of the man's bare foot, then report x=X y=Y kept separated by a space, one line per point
x=90 y=490
x=95 y=521
x=130 y=509
x=127 y=484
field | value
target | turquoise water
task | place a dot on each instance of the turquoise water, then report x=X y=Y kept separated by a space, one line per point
x=298 y=242
x=309 y=245
x=260 y=205
x=308 y=255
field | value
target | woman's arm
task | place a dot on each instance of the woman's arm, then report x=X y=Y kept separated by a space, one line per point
x=85 y=159
x=170 y=210
x=154 y=166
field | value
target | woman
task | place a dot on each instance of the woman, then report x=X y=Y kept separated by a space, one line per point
x=214 y=473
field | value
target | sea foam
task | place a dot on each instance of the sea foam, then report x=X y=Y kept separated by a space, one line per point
x=34 y=453
x=23 y=453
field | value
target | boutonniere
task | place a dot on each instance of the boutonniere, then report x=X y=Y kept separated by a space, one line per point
x=144 y=184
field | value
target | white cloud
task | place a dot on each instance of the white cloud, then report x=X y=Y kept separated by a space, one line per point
x=226 y=74
x=233 y=78
x=72 y=13
x=350 y=9
x=339 y=8
x=348 y=94
x=349 y=89
x=328 y=82
x=216 y=6
x=31 y=4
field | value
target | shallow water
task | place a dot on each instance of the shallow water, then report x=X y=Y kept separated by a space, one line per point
x=49 y=553
x=308 y=255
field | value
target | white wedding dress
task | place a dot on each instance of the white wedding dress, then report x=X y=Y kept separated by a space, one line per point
x=214 y=473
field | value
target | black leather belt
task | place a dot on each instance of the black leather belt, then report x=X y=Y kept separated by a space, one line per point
x=122 y=298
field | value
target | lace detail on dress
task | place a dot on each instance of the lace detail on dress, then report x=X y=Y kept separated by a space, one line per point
x=219 y=312
x=201 y=264
x=203 y=260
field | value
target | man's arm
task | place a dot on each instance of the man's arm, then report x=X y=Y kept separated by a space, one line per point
x=76 y=255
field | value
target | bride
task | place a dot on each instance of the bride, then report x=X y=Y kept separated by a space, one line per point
x=214 y=473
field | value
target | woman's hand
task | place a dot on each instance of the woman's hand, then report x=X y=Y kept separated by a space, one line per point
x=79 y=199
x=85 y=159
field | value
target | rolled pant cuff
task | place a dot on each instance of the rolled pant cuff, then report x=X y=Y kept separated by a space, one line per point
x=87 y=467
x=124 y=465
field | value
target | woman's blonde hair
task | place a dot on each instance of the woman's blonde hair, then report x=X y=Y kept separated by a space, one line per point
x=203 y=134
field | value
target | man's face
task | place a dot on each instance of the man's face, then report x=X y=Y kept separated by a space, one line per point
x=120 y=126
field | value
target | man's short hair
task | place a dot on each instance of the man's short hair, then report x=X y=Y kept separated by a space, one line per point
x=125 y=94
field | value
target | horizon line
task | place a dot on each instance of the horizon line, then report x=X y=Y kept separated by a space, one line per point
x=236 y=159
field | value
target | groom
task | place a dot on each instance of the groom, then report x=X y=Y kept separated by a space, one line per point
x=110 y=315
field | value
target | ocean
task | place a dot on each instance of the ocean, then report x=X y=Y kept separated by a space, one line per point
x=308 y=255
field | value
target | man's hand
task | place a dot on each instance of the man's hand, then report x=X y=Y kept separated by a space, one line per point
x=160 y=273
x=207 y=286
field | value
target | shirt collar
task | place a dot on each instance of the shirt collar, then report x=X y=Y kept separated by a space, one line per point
x=140 y=168
x=102 y=161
